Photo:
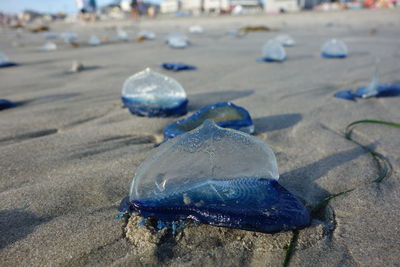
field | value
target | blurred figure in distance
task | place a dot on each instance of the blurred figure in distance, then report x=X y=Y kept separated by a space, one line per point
x=92 y=6
x=82 y=8
x=134 y=9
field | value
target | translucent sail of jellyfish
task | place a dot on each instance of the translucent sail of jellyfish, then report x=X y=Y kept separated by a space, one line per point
x=372 y=88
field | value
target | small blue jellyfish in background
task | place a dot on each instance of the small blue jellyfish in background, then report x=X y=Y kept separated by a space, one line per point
x=373 y=89
x=5 y=104
x=196 y=29
x=334 y=49
x=224 y=114
x=47 y=47
x=94 y=40
x=146 y=35
x=70 y=37
x=50 y=35
x=273 y=51
x=285 y=40
x=122 y=35
x=175 y=66
x=5 y=62
x=151 y=94
x=215 y=176
x=177 y=40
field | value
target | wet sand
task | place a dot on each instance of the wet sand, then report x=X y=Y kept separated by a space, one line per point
x=69 y=150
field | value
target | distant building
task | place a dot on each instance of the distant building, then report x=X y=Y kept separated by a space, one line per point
x=310 y=4
x=194 y=6
x=29 y=15
x=217 y=6
x=113 y=11
x=169 y=6
x=246 y=3
x=121 y=8
x=275 y=6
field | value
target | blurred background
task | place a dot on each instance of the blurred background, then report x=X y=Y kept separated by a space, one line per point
x=18 y=12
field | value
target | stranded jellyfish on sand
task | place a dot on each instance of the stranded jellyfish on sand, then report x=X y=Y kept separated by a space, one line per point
x=215 y=176
x=152 y=94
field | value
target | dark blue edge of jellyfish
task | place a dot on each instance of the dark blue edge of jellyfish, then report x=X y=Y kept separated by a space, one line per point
x=383 y=90
x=280 y=211
x=172 y=130
x=8 y=64
x=6 y=104
x=270 y=60
x=149 y=110
x=176 y=66
x=327 y=55
x=346 y=94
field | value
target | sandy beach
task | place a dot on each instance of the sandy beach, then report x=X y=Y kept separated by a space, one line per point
x=69 y=150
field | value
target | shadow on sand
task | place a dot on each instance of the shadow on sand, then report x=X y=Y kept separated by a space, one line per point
x=17 y=224
x=276 y=122
x=302 y=181
x=47 y=99
x=200 y=100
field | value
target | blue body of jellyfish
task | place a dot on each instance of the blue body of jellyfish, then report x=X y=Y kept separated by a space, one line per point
x=225 y=114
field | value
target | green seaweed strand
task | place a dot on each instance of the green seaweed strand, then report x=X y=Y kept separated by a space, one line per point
x=384 y=164
x=322 y=204
x=348 y=130
x=290 y=248
x=385 y=168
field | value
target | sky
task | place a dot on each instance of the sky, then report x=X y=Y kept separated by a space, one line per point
x=66 y=6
